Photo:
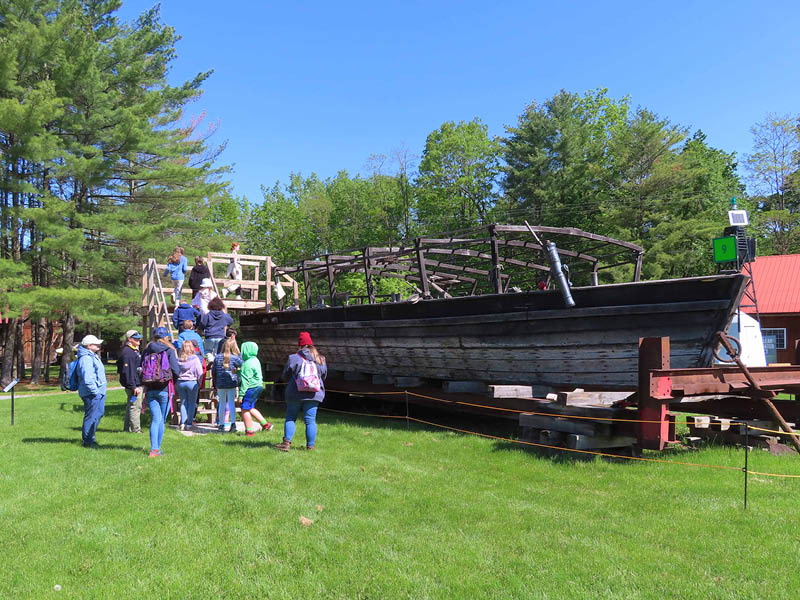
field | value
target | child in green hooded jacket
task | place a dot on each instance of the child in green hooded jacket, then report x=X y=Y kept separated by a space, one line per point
x=250 y=388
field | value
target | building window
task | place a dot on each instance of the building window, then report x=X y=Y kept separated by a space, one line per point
x=774 y=338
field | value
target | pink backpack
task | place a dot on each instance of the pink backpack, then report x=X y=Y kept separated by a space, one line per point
x=307 y=379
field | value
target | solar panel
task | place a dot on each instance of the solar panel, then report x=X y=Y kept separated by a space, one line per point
x=738 y=218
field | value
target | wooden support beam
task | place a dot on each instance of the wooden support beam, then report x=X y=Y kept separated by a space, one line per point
x=307 y=286
x=331 y=280
x=637 y=272
x=654 y=432
x=423 y=274
x=268 y=275
x=368 y=276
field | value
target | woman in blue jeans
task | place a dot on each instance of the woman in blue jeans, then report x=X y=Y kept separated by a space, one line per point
x=157 y=393
x=304 y=375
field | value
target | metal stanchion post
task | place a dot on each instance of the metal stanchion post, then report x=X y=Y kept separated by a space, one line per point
x=746 y=454
x=405 y=392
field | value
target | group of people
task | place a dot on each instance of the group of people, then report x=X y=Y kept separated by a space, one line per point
x=155 y=375
x=200 y=278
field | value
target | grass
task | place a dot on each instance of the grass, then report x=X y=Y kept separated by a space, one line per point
x=25 y=387
x=398 y=513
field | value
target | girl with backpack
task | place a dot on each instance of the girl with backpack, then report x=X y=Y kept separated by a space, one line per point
x=188 y=387
x=159 y=365
x=226 y=380
x=304 y=374
x=176 y=269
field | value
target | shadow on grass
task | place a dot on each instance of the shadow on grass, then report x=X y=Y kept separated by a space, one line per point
x=111 y=409
x=74 y=442
x=564 y=456
x=251 y=444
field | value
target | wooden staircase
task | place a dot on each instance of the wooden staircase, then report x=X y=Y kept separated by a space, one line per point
x=156 y=313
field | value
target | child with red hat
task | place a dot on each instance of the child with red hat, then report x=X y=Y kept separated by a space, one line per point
x=304 y=374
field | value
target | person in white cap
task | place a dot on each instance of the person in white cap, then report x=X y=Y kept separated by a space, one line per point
x=204 y=296
x=129 y=369
x=92 y=388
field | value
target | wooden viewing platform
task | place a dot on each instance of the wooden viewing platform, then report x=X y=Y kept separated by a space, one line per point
x=260 y=277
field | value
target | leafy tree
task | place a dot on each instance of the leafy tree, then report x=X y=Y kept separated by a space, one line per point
x=457 y=176
x=774 y=169
x=99 y=167
x=559 y=163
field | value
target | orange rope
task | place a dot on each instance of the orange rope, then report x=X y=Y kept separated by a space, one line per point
x=494 y=437
x=772 y=430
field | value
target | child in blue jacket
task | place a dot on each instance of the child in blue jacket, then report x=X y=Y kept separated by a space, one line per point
x=176 y=269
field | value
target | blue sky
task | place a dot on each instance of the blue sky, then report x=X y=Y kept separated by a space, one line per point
x=320 y=86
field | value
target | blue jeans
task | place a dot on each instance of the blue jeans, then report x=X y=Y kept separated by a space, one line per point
x=309 y=408
x=158 y=403
x=210 y=344
x=188 y=390
x=94 y=407
x=226 y=400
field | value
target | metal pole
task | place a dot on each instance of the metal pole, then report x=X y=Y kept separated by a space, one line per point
x=765 y=397
x=746 y=453
x=408 y=426
x=12 y=406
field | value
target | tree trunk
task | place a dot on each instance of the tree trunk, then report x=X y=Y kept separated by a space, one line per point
x=20 y=349
x=48 y=349
x=38 y=341
x=9 y=343
x=68 y=325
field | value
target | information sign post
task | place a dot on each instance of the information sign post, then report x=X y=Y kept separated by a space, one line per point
x=10 y=388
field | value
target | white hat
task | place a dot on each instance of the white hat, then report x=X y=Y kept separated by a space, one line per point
x=90 y=339
x=206 y=283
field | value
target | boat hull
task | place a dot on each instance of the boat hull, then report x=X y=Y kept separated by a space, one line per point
x=523 y=338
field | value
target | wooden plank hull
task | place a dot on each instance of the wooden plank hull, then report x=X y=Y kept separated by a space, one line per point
x=523 y=338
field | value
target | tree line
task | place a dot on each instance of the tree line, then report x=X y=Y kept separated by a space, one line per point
x=103 y=165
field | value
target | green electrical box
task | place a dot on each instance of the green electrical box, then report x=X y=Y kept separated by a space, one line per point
x=725 y=249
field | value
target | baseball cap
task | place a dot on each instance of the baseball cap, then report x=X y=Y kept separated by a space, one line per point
x=132 y=333
x=90 y=339
x=206 y=283
x=161 y=332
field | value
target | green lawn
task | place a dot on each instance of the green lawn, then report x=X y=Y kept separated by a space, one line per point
x=398 y=513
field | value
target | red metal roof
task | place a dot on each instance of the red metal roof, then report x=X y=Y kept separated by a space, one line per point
x=777 y=283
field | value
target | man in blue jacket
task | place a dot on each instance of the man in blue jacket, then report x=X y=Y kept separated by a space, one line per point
x=91 y=388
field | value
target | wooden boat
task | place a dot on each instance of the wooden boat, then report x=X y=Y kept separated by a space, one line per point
x=510 y=337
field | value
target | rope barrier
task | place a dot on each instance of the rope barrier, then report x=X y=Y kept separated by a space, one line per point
x=548 y=446
x=561 y=448
x=770 y=430
x=530 y=412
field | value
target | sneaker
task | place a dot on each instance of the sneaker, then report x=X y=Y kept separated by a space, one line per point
x=284 y=446
x=182 y=427
x=309 y=447
x=224 y=292
x=238 y=296
x=154 y=454
x=266 y=426
x=249 y=433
